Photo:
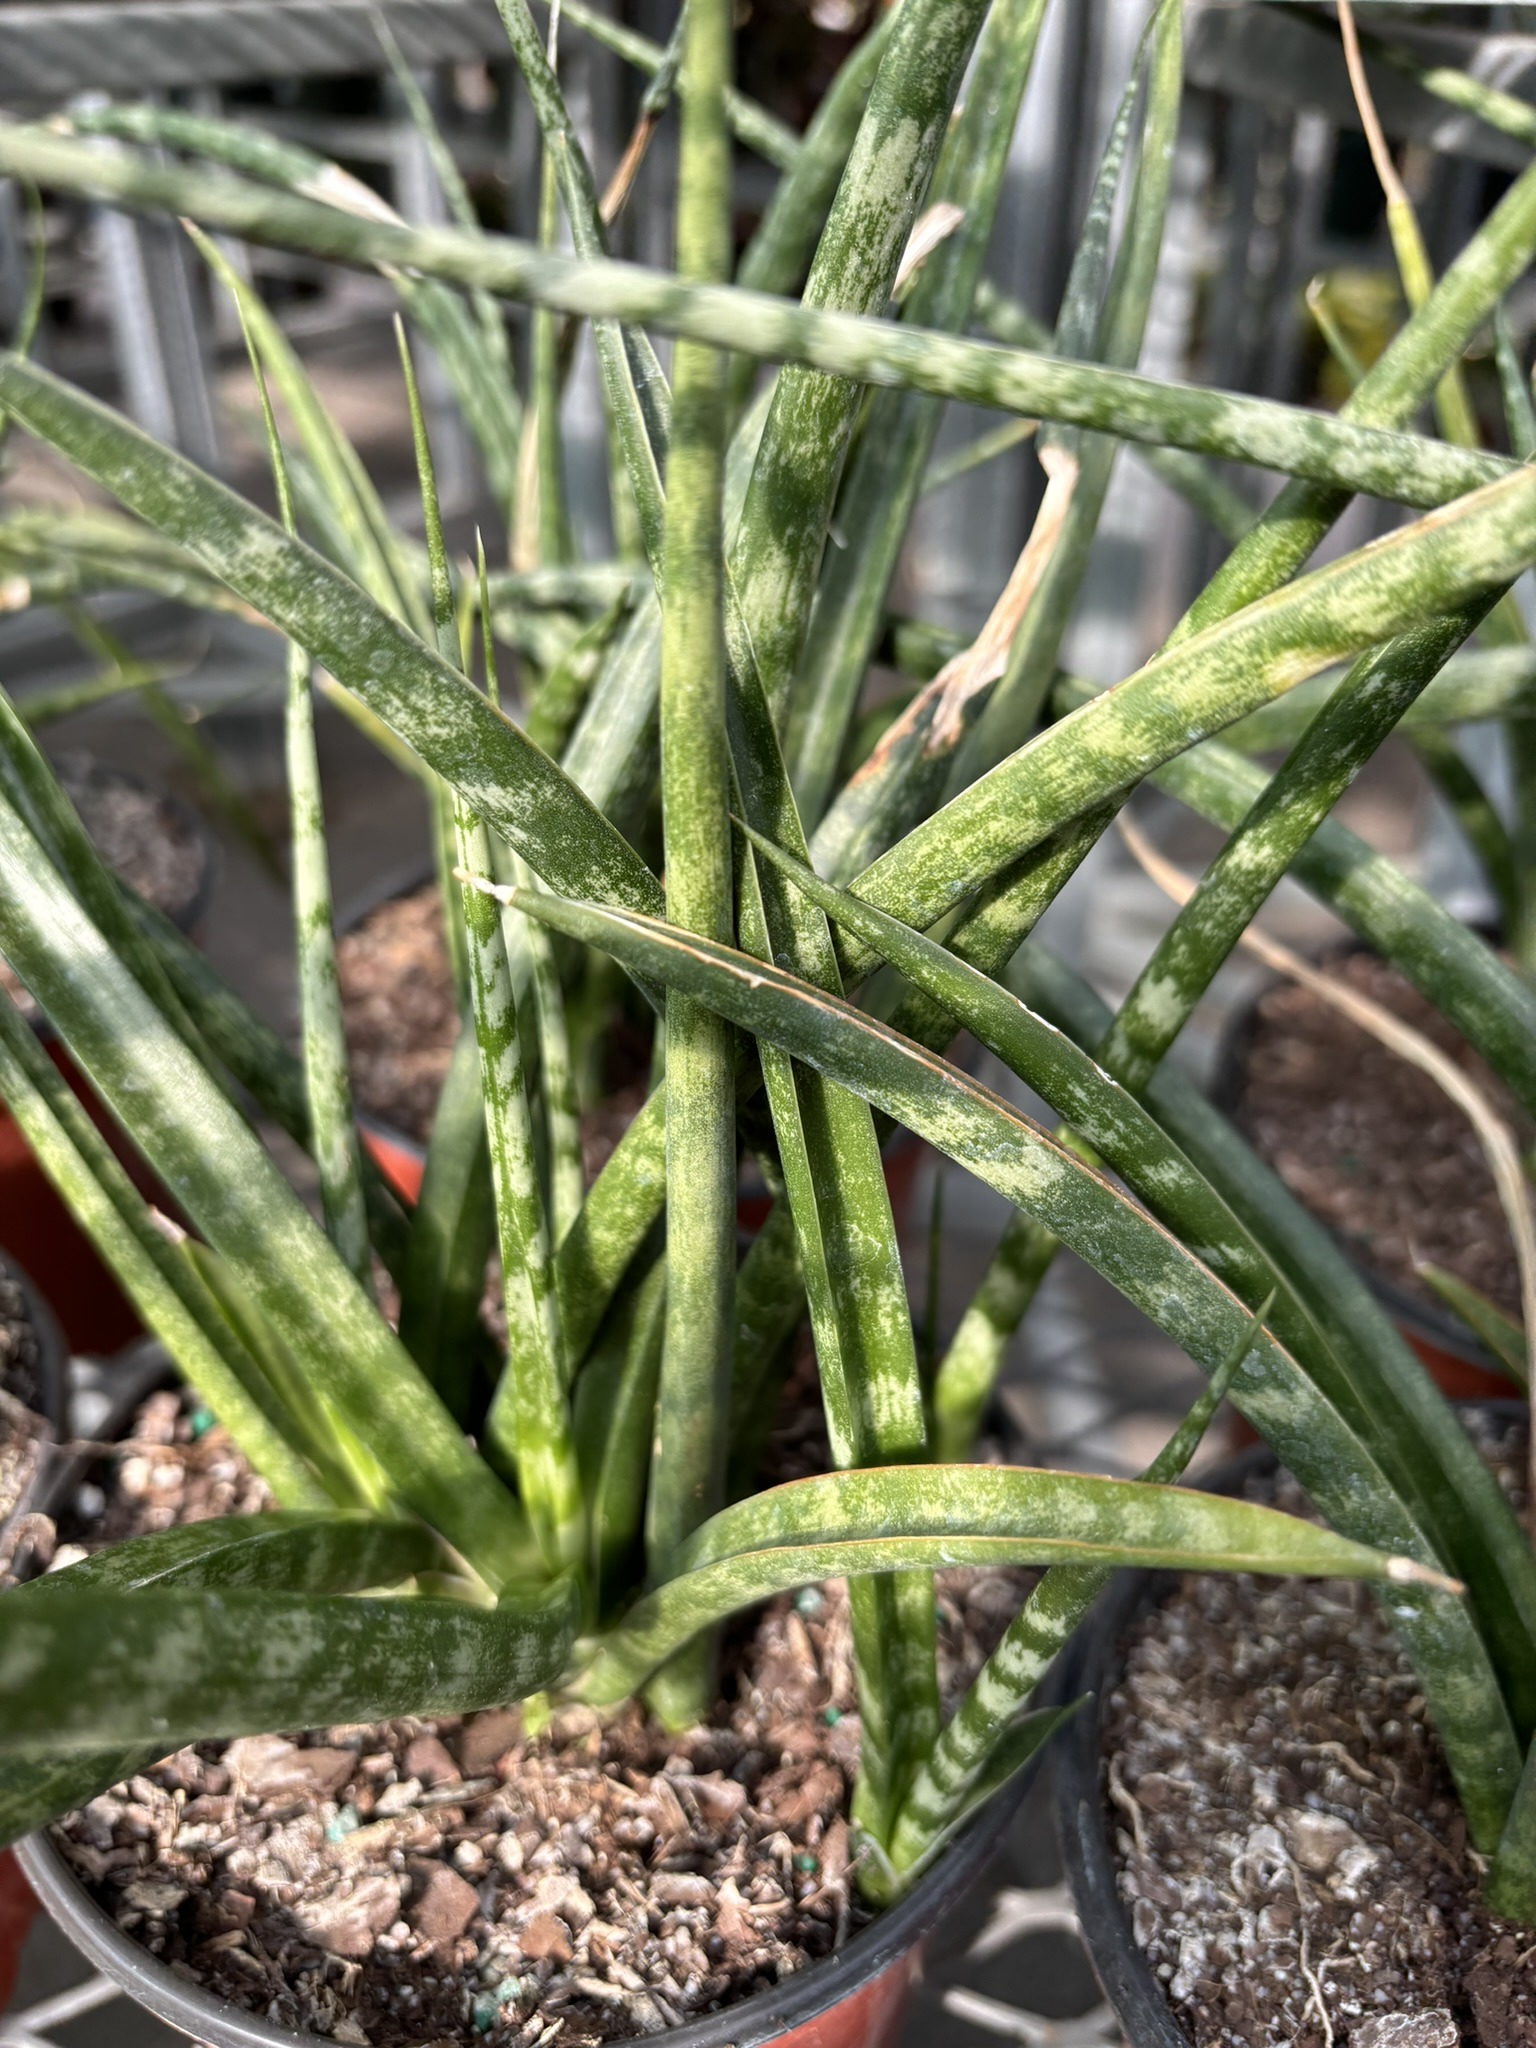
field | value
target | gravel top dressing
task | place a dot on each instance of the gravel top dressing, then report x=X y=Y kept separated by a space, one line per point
x=426 y=1882
x=1289 y=1843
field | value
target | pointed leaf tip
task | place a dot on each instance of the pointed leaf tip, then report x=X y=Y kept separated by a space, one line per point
x=1407 y=1571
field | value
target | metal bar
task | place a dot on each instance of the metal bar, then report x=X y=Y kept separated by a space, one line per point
x=157 y=336
x=1291 y=59
x=54 y=48
x=57 y=2011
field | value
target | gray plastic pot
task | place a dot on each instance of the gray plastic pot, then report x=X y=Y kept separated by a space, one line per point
x=854 y=1999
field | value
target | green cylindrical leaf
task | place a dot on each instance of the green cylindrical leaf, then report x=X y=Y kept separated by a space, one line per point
x=1305 y=444
x=886 y=471
x=1401 y=378
x=1347 y=731
x=776 y=549
x=295 y=1553
x=687 y=1480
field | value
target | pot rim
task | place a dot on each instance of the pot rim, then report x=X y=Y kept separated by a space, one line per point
x=40 y=1494
x=1082 y=1819
x=803 y=1997
x=404 y=879
x=52 y=1352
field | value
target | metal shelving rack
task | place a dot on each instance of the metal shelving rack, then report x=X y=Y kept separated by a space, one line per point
x=55 y=48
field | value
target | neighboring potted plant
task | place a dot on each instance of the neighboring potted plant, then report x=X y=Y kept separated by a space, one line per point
x=401 y=1017
x=1277 y=1876
x=34 y=1406
x=34 y=1403
x=569 y=1522
x=1380 y=1153
x=1379 y=1146
x=158 y=846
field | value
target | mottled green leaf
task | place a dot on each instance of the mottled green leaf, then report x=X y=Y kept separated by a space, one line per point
x=853 y=1523
x=88 y=1669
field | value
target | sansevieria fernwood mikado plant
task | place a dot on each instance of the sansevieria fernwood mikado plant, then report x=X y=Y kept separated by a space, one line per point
x=456 y=1527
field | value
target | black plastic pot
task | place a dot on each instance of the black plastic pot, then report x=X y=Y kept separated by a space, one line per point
x=1093 y=1663
x=52 y=1353
x=52 y=1388
x=104 y=1398
x=853 y=1999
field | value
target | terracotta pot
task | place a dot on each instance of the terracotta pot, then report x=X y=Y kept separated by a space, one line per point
x=18 y=1909
x=35 y=1224
x=1461 y=1367
x=401 y=1160
x=854 y=1999
x=96 y=1315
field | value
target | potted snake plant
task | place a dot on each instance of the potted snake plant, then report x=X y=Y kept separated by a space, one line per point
x=568 y=1516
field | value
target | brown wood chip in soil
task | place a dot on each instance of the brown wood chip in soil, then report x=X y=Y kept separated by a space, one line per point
x=1369 y=1143
x=467 y=1882
x=1290 y=1846
x=402 y=1022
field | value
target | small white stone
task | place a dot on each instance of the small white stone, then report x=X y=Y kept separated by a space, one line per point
x=1318 y=1840
x=1193 y=1952
x=397 y=1798
x=1432 y=2029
